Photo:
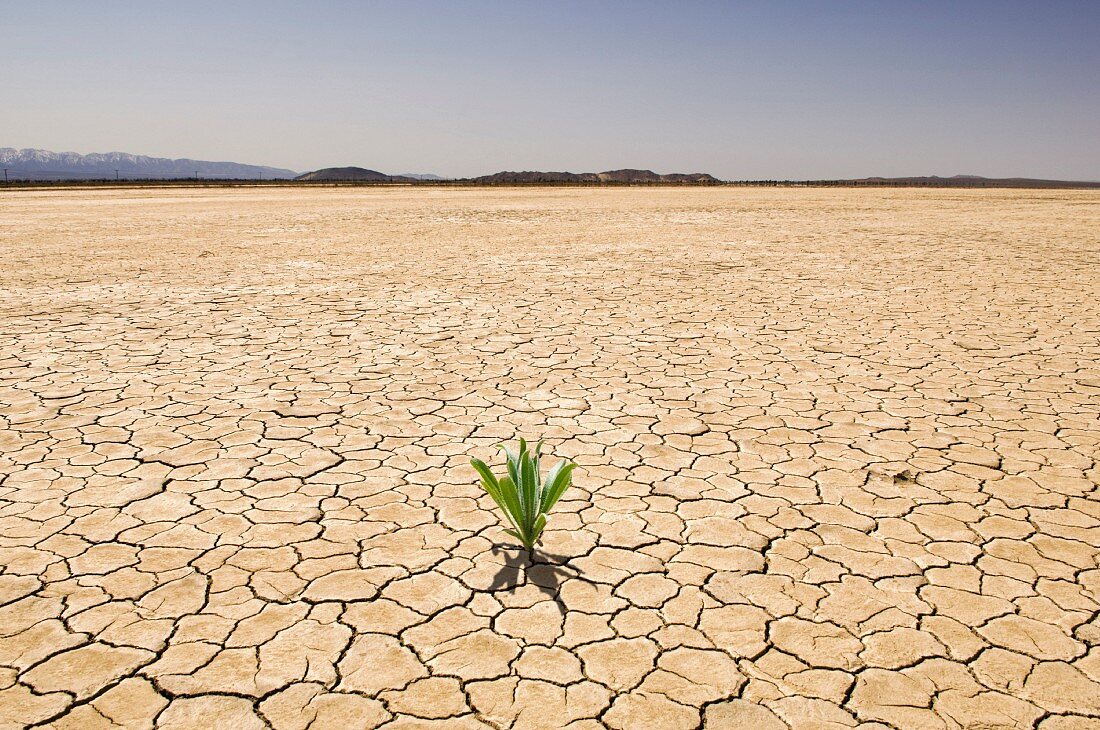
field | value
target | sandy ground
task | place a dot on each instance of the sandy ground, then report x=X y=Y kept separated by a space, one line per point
x=839 y=458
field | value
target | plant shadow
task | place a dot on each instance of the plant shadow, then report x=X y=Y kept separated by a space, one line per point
x=546 y=571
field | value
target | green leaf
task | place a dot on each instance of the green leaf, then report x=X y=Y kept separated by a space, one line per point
x=494 y=492
x=530 y=490
x=484 y=470
x=536 y=533
x=516 y=535
x=523 y=483
x=557 y=486
x=510 y=457
x=538 y=471
x=513 y=465
x=551 y=477
x=511 y=502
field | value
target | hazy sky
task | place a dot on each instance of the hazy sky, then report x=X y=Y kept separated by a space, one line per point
x=767 y=89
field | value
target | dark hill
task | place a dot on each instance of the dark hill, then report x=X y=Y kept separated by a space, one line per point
x=350 y=174
x=532 y=176
x=648 y=176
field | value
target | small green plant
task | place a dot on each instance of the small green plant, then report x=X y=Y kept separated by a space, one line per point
x=522 y=495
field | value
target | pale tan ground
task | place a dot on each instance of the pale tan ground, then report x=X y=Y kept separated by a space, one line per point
x=839 y=458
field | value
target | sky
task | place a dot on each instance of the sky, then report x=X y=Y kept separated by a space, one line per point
x=772 y=89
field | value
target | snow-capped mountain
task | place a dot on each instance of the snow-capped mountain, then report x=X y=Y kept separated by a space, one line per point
x=32 y=164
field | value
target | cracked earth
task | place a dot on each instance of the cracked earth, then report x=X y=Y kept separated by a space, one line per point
x=838 y=458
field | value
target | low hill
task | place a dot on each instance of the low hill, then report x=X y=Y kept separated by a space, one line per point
x=533 y=176
x=648 y=176
x=351 y=174
x=611 y=176
x=33 y=164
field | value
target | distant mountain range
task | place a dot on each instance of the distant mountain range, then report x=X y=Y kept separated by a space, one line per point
x=31 y=164
x=612 y=176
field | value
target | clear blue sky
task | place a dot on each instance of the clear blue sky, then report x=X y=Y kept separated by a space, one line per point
x=766 y=89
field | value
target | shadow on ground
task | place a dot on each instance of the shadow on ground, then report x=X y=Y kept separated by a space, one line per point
x=543 y=570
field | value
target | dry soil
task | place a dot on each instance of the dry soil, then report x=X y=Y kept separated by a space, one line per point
x=839 y=458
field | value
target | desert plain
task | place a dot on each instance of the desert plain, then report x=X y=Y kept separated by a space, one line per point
x=838 y=458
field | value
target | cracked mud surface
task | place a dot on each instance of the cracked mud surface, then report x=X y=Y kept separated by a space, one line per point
x=838 y=458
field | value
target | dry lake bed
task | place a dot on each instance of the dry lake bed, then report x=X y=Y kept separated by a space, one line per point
x=838 y=458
